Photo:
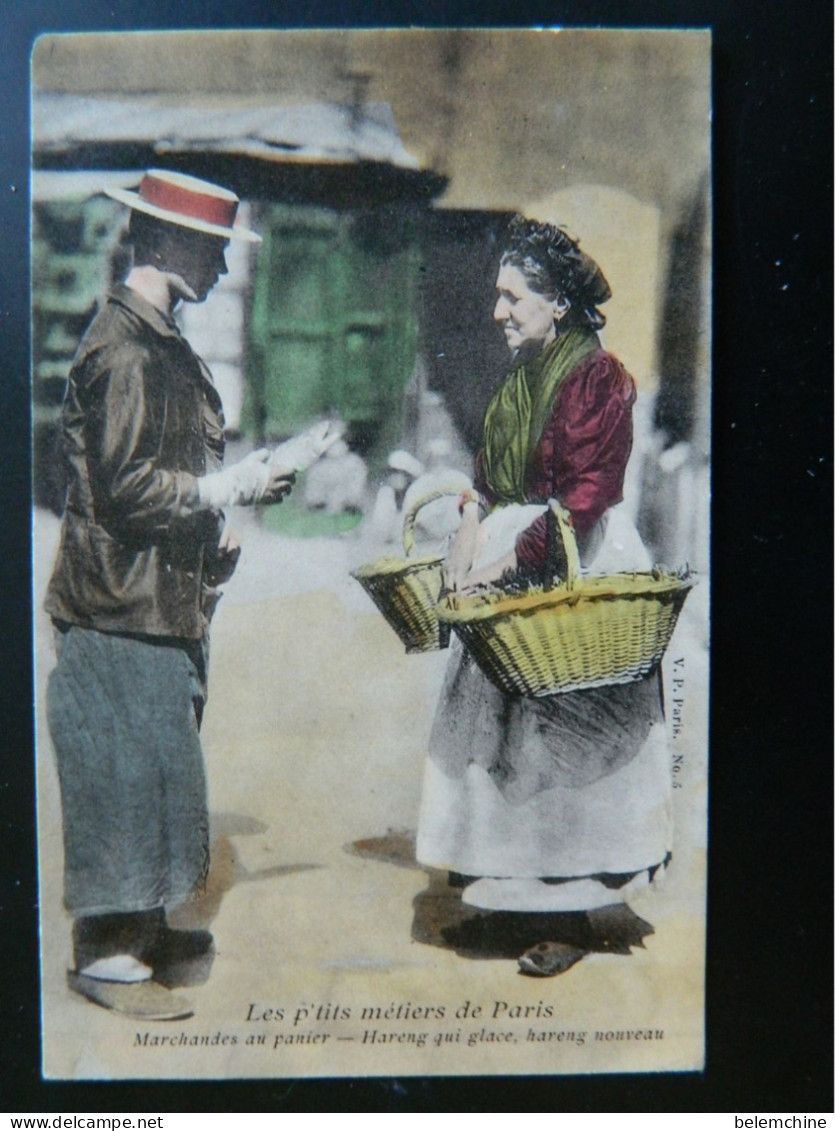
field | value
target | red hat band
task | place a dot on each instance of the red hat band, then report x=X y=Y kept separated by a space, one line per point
x=187 y=202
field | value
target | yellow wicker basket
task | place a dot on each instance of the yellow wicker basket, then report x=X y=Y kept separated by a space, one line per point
x=587 y=632
x=407 y=591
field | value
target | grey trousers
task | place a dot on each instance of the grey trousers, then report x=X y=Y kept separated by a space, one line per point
x=124 y=714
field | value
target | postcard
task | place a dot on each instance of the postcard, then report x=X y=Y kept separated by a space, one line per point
x=382 y=359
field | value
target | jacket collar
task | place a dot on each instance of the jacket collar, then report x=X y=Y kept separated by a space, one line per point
x=159 y=322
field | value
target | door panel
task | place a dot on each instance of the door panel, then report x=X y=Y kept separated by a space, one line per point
x=334 y=324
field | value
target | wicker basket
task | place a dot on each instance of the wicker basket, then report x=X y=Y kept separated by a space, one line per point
x=407 y=591
x=587 y=632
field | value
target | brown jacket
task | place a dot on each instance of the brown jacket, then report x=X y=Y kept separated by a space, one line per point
x=142 y=420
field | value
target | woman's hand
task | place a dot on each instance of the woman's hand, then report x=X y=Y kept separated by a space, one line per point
x=490 y=573
x=462 y=554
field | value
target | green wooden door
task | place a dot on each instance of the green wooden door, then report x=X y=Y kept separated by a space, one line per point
x=333 y=328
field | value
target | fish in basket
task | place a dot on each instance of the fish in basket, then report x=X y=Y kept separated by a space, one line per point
x=585 y=632
x=407 y=590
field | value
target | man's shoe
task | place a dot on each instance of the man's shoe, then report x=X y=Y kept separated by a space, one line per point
x=171 y=947
x=118 y=968
x=145 y=1001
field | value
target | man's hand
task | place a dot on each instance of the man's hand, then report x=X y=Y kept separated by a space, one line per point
x=299 y=453
x=220 y=564
x=229 y=542
x=251 y=480
x=279 y=485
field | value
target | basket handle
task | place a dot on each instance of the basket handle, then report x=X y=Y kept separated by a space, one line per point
x=411 y=515
x=570 y=543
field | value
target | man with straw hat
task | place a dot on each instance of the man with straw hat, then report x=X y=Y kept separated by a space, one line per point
x=143 y=548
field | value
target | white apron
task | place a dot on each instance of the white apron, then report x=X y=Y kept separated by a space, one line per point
x=566 y=787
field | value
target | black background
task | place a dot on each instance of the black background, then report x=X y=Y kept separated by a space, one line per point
x=770 y=969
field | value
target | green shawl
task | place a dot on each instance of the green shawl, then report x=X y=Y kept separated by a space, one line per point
x=521 y=408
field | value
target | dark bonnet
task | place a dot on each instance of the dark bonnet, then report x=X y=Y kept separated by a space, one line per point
x=555 y=262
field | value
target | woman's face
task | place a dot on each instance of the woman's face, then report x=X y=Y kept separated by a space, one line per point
x=527 y=318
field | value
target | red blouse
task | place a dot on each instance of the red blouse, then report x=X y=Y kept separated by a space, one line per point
x=583 y=451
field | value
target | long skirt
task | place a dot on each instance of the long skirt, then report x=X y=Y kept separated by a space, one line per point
x=124 y=714
x=572 y=786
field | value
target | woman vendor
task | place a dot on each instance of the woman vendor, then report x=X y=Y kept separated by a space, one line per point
x=550 y=813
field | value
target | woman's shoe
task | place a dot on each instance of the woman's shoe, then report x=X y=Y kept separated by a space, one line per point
x=617 y=928
x=547 y=959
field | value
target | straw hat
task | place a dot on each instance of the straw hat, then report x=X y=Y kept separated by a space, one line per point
x=187 y=201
